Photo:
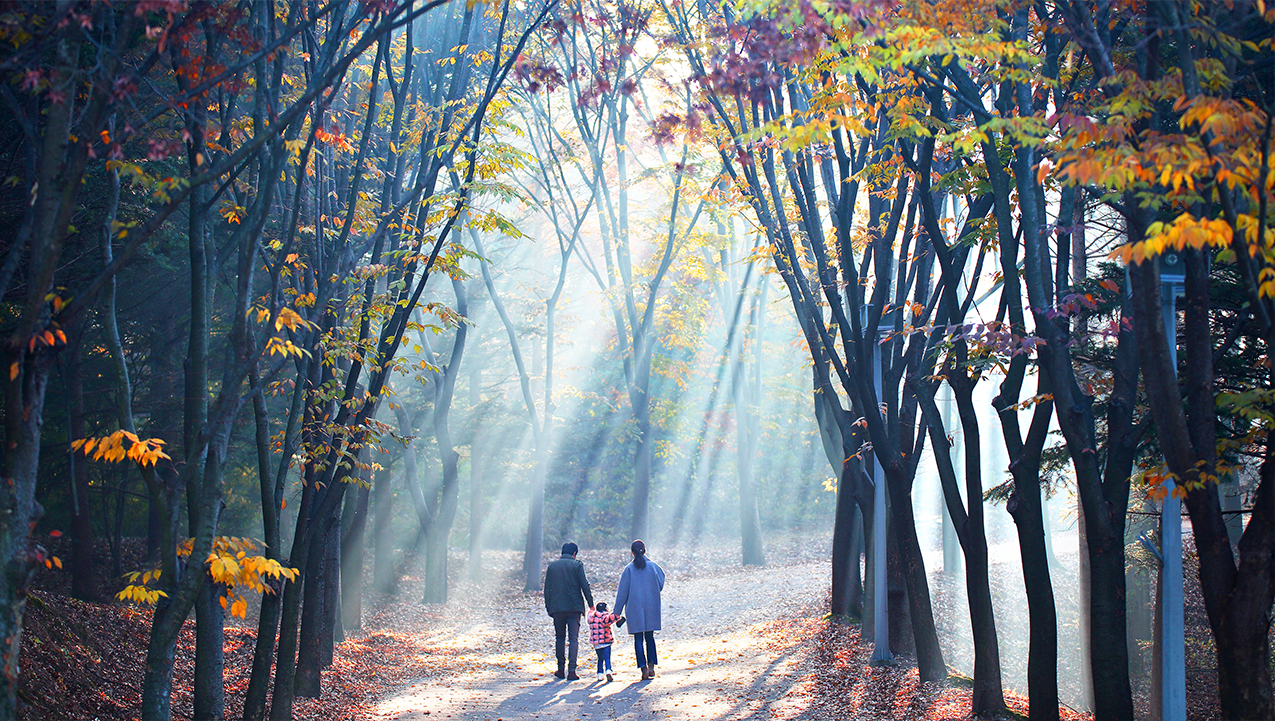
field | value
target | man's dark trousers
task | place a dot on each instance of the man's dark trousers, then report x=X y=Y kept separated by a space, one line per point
x=566 y=626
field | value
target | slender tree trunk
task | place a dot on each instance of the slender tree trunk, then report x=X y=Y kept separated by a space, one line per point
x=988 y=693
x=847 y=535
x=83 y=569
x=1042 y=646
x=476 y=510
x=290 y=617
x=332 y=631
x=352 y=547
x=382 y=538
x=640 y=395
x=210 y=617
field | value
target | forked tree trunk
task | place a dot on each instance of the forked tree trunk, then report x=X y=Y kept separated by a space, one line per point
x=929 y=655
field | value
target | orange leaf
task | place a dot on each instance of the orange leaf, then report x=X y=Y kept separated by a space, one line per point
x=13 y=370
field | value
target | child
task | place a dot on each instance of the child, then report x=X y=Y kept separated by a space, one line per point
x=600 y=636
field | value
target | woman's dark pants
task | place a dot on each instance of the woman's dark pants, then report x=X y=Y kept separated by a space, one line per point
x=645 y=656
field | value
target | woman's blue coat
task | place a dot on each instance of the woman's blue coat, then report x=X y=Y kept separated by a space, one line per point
x=639 y=594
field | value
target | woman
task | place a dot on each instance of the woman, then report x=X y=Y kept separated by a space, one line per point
x=639 y=594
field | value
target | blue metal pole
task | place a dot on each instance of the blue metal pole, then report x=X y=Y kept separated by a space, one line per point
x=880 y=612
x=1173 y=634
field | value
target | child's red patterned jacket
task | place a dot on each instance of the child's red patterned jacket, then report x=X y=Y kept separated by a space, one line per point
x=600 y=627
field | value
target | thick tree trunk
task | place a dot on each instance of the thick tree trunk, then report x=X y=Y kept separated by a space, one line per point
x=210 y=660
x=23 y=418
x=332 y=632
x=988 y=695
x=929 y=655
x=847 y=543
x=1042 y=645
x=309 y=667
x=1243 y=654
x=902 y=634
x=157 y=681
x=1112 y=693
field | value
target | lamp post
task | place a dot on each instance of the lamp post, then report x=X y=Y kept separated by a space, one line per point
x=1173 y=636
x=880 y=599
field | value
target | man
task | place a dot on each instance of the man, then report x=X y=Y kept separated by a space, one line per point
x=567 y=594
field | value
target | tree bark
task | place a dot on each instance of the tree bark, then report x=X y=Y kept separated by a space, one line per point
x=352 y=547
x=83 y=568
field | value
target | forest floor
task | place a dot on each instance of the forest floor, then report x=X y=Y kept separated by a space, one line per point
x=737 y=643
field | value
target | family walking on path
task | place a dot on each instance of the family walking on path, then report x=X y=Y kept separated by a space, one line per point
x=568 y=596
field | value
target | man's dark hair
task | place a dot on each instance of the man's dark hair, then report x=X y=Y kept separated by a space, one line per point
x=570 y=548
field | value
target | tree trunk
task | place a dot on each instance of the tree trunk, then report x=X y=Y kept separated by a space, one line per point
x=210 y=617
x=254 y=707
x=847 y=543
x=314 y=625
x=290 y=612
x=1042 y=645
x=436 y=540
x=382 y=536
x=475 y=509
x=332 y=631
x=352 y=556
x=901 y=632
x=989 y=696
x=210 y=660
x=23 y=418
x=640 y=526
x=929 y=655
x=1112 y=693
x=83 y=571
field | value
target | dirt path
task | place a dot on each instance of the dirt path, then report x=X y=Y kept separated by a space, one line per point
x=715 y=662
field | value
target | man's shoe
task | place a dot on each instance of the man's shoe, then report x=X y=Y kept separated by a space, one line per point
x=559 y=673
x=573 y=676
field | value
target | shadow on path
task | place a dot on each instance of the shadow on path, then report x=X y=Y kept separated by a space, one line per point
x=715 y=661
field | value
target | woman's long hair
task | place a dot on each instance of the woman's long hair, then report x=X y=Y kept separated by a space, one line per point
x=639 y=554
